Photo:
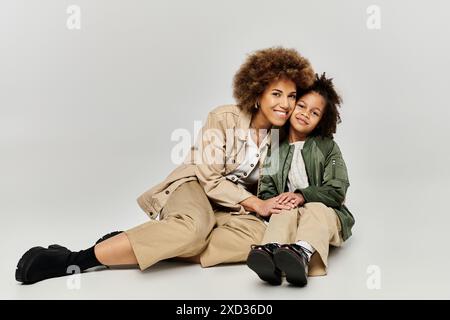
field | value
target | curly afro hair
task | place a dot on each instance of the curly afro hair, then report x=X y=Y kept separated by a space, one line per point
x=265 y=66
x=331 y=117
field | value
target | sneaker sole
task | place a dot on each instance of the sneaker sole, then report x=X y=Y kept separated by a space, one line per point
x=261 y=263
x=24 y=265
x=292 y=266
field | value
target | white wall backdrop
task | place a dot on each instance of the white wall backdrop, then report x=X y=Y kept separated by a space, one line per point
x=86 y=117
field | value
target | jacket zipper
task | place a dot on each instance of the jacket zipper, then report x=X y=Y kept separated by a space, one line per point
x=333 y=163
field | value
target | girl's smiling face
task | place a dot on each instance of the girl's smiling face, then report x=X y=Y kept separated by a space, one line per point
x=307 y=114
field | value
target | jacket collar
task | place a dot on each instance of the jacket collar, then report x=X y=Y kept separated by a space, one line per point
x=285 y=143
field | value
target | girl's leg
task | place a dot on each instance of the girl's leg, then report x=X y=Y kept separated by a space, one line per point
x=282 y=227
x=280 y=230
x=320 y=227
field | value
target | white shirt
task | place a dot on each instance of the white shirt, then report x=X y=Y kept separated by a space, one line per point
x=247 y=173
x=297 y=177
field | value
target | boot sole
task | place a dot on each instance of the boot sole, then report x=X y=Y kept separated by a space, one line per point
x=261 y=263
x=109 y=235
x=25 y=263
x=292 y=266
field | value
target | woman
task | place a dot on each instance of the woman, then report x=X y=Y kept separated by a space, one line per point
x=204 y=204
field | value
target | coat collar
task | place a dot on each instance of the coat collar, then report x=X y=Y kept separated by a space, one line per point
x=243 y=125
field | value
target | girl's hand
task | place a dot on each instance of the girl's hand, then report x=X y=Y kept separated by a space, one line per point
x=268 y=207
x=290 y=198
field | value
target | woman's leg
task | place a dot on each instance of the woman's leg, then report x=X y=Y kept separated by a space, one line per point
x=41 y=263
x=116 y=250
x=186 y=222
x=232 y=238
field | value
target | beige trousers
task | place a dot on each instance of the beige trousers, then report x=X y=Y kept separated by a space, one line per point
x=314 y=223
x=188 y=226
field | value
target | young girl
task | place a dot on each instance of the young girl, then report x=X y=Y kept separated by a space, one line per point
x=309 y=174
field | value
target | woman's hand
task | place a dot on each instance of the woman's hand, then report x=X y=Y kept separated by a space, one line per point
x=270 y=206
x=265 y=208
x=292 y=198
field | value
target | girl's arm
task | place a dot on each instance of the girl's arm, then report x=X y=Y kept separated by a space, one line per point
x=267 y=187
x=334 y=181
x=265 y=208
x=266 y=203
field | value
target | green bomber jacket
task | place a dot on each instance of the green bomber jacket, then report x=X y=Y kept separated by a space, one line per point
x=326 y=171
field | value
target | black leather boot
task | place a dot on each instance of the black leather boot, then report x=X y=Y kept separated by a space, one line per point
x=260 y=260
x=107 y=236
x=292 y=259
x=40 y=263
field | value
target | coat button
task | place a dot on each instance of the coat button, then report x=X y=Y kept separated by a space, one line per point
x=257 y=155
x=245 y=174
x=252 y=165
x=167 y=191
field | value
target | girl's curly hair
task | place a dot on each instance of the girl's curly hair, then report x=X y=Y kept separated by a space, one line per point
x=331 y=117
x=266 y=65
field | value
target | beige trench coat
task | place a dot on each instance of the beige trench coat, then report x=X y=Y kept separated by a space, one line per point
x=219 y=150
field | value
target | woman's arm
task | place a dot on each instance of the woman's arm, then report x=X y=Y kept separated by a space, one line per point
x=210 y=168
x=252 y=204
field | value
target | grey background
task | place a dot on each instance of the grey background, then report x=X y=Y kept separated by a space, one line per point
x=86 y=118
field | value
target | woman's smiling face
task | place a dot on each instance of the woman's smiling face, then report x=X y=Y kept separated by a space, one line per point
x=307 y=114
x=278 y=101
